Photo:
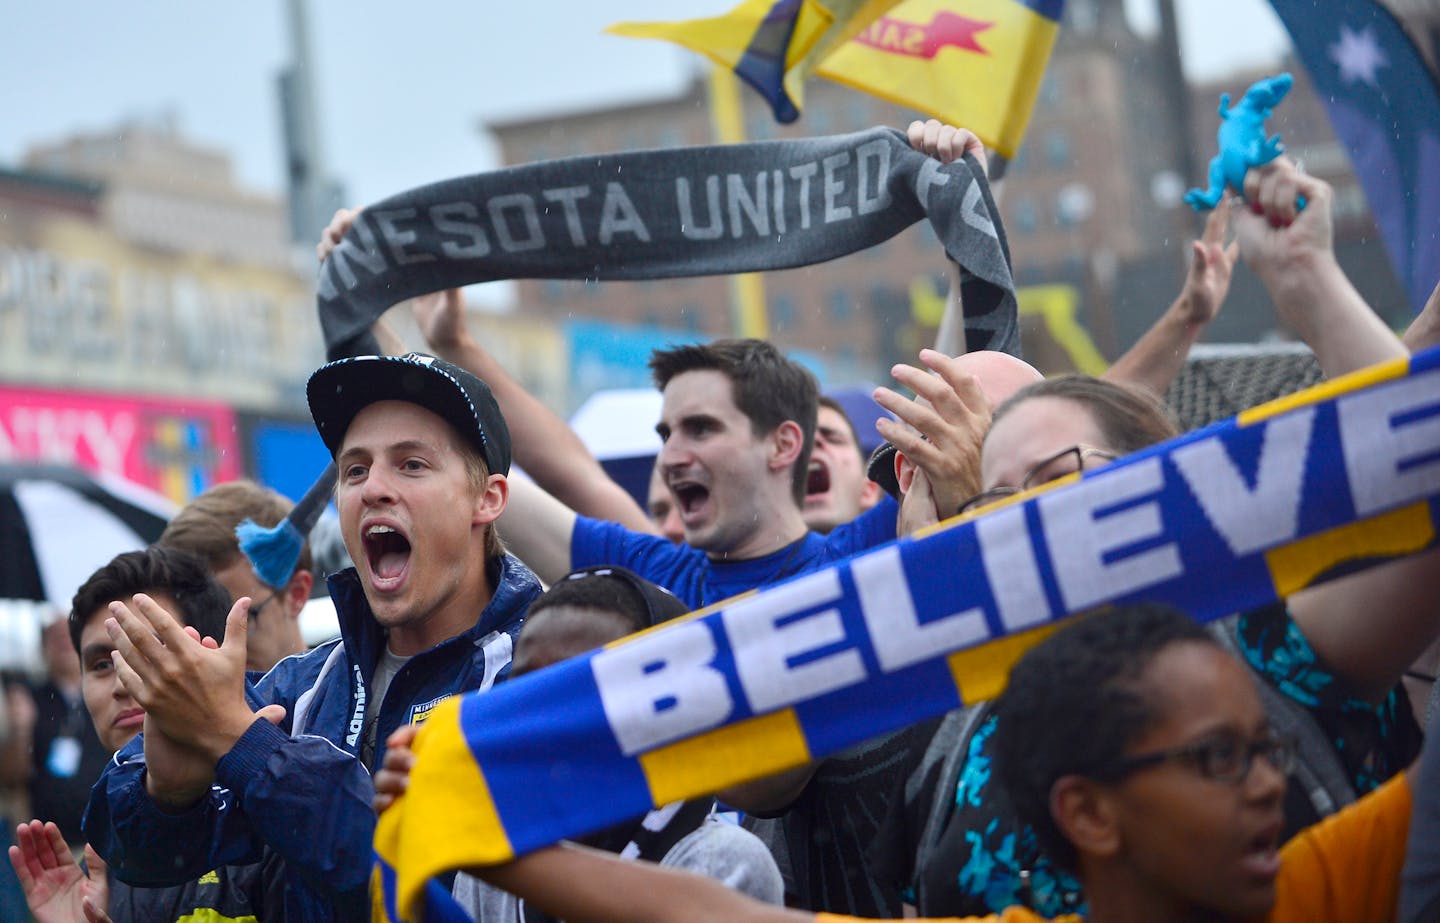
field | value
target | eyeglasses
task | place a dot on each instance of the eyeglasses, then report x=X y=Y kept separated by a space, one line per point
x=1221 y=759
x=1039 y=474
x=255 y=610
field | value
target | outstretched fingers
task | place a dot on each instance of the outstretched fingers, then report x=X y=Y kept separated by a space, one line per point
x=38 y=850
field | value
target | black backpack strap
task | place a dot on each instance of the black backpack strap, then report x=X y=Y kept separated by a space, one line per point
x=936 y=779
x=658 y=831
x=1318 y=770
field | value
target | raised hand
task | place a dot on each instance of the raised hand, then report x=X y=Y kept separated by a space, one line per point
x=1211 y=266
x=330 y=237
x=947 y=423
x=946 y=143
x=194 y=693
x=56 y=888
x=1291 y=250
x=96 y=900
x=441 y=319
x=1276 y=236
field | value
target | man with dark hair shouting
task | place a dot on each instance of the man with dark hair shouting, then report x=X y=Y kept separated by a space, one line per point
x=737 y=422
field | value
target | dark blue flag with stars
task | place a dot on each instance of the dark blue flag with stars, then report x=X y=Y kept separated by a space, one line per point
x=1384 y=105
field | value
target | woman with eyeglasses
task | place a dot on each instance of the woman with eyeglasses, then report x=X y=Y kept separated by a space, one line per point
x=1330 y=657
x=1329 y=668
x=1138 y=749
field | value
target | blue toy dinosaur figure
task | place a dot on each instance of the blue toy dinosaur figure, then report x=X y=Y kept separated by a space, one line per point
x=1242 y=140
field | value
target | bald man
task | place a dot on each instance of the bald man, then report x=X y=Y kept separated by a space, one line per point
x=941 y=429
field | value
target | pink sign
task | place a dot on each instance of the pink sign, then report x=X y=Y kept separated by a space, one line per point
x=177 y=448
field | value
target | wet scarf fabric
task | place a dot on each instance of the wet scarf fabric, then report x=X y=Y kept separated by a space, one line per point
x=663 y=214
x=1290 y=493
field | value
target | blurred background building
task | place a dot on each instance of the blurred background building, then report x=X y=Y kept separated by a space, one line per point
x=1092 y=205
x=157 y=317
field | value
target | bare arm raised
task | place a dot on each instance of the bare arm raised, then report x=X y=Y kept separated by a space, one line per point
x=1368 y=627
x=1159 y=355
x=1292 y=252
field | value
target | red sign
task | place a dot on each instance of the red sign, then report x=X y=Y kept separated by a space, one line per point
x=177 y=448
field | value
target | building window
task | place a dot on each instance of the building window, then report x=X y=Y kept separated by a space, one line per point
x=1064 y=218
x=1018 y=163
x=782 y=313
x=1050 y=89
x=1074 y=204
x=1026 y=216
x=859 y=112
x=760 y=126
x=1057 y=150
x=1030 y=275
x=1349 y=201
x=840 y=306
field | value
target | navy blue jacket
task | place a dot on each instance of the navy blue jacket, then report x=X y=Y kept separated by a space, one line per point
x=301 y=788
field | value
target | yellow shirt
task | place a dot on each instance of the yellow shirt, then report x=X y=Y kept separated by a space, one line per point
x=1345 y=869
x=1011 y=915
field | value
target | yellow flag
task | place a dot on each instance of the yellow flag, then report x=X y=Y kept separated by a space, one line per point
x=975 y=63
x=773 y=45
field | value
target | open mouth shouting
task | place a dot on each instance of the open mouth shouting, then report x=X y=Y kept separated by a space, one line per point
x=690 y=496
x=387 y=555
x=817 y=480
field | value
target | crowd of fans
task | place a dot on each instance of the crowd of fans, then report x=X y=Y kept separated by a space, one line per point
x=1134 y=766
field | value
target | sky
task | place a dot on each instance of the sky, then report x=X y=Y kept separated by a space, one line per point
x=403 y=88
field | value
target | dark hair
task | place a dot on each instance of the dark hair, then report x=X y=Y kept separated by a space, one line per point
x=1130 y=418
x=767 y=387
x=825 y=400
x=640 y=603
x=1074 y=703
x=206 y=526
x=203 y=602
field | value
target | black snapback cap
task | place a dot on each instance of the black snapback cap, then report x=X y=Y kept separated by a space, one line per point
x=881 y=468
x=339 y=390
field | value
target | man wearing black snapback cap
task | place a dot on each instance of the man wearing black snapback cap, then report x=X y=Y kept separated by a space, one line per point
x=430 y=609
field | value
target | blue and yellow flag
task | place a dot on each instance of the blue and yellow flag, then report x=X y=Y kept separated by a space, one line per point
x=773 y=45
x=976 y=63
x=1325 y=481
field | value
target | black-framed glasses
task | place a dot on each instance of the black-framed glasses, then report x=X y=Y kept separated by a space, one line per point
x=1222 y=759
x=256 y=610
x=1040 y=473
